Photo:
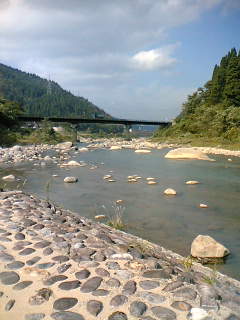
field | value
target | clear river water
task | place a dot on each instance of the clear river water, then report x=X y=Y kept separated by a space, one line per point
x=171 y=221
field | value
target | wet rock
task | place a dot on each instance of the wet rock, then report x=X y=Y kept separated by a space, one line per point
x=9 y=278
x=32 y=261
x=124 y=274
x=83 y=274
x=163 y=313
x=69 y=285
x=91 y=285
x=185 y=293
x=9 y=305
x=148 y=284
x=129 y=288
x=15 y=265
x=151 y=297
x=117 y=316
x=94 y=307
x=65 y=303
x=34 y=316
x=118 y=300
x=100 y=293
x=181 y=305
x=54 y=279
x=26 y=251
x=137 y=308
x=159 y=274
x=22 y=285
x=113 y=283
x=102 y=272
x=67 y=315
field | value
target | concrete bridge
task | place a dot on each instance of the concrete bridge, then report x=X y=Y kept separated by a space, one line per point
x=96 y=120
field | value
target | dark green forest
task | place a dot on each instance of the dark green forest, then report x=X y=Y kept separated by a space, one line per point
x=213 y=111
x=41 y=97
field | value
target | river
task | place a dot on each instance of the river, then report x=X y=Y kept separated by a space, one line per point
x=171 y=221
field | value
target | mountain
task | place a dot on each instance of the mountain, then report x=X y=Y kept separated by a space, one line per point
x=214 y=110
x=41 y=97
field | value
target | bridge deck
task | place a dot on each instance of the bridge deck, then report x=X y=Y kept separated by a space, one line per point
x=104 y=121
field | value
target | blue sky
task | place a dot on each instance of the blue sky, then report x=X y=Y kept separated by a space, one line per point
x=136 y=59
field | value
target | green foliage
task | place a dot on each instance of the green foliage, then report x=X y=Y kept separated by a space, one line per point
x=214 y=110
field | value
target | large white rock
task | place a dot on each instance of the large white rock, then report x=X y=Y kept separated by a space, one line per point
x=11 y=177
x=187 y=153
x=70 y=179
x=206 y=247
x=64 y=145
x=115 y=148
x=170 y=191
x=73 y=163
x=83 y=149
x=142 y=151
x=192 y=182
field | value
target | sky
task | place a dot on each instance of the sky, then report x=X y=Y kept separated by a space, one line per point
x=136 y=59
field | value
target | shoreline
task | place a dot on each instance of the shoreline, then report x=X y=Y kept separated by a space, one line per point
x=47 y=247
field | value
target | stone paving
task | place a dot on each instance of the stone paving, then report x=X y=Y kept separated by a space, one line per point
x=57 y=265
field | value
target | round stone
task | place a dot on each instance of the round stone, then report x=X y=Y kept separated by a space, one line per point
x=70 y=285
x=19 y=236
x=129 y=288
x=45 y=265
x=185 y=293
x=83 y=274
x=26 y=251
x=151 y=297
x=118 y=300
x=124 y=274
x=173 y=285
x=9 y=305
x=94 y=307
x=159 y=274
x=42 y=244
x=47 y=251
x=9 y=278
x=64 y=267
x=113 y=283
x=112 y=265
x=65 y=303
x=181 y=305
x=54 y=279
x=34 y=316
x=100 y=293
x=117 y=316
x=5 y=257
x=15 y=265
x=67 y=315
x=137 y=308
x=91 y=285
x=60 y=259
x=163 y=313
x=102 y=272
x=148 y=284
x=22 y=285
x=33 y=261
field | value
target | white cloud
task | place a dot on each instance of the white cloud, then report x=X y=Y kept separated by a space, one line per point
x=154 y=59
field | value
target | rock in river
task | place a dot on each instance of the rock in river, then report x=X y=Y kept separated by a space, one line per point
x=187 y=153
x=70 y=179
x=207 y=247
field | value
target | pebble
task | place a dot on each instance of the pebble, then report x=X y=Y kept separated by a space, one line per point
x=94 y=307
x=64 y=267
x=185 y=293
x=151 y=297
x=83 y=274
x=124 y=274
x=33 y=261
x=15 y=265
x=129 y=288
x=34 y=316
x=118 y=316
x=100 y=292
x=113 y=283
x=67 y=315
x=181 y=305
x=69 y=285
x=163 y=313
x=9 y=278
x=161 y=274
x=64 y=303
x=26 y=251
x=91 y=285
x=148 y=284
x=118 y=300
x=137 y=308
x=22 y=285
x=54 y=279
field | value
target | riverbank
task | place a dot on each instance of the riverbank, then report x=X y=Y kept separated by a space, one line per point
x=61 y=265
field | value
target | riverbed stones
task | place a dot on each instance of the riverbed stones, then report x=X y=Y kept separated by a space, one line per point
x=9 y=278
x=91 y=284
x=137 y=308
x=22 y=285
x=204 y=246
x=83 y=274
x=149 y=284
x=185 y=293
x=170 y=192
x=157 y=274
x=113 y=283
x=50 y=281
x=15 y=265
x=118 y=300
x=34 y=316
x=69 y=285
x=118 y=316
x=151 y=297
x=94 y=307
x=67 y=315
x=129 y=288
x=163 y=313
x=70 y=179
x=181 y=305
x=26 y=251
x=64 y=303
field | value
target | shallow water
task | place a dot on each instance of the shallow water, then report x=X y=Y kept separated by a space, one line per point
x=172 y=222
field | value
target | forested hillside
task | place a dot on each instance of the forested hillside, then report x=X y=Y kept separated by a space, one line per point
x=41 y=97
x=213 y=111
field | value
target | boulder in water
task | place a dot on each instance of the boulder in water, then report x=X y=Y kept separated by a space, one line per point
x=206 y=247
x=187 y=153
x=70 y=179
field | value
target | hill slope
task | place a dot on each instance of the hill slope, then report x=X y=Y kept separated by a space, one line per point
x=212 y=112
x=41 y=97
